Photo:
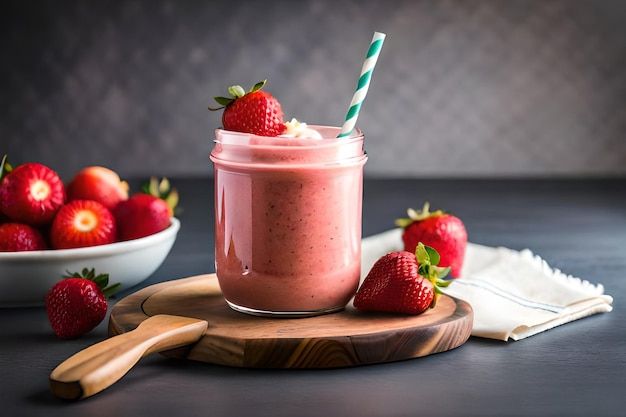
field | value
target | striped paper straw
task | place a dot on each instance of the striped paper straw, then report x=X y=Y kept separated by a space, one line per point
x=363 y=85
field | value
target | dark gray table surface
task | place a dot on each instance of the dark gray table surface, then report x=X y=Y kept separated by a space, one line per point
x=578 y=369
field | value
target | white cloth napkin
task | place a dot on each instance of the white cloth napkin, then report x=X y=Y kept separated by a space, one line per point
x=514 y=294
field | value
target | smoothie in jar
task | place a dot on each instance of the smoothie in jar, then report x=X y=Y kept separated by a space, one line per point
x=288 y=221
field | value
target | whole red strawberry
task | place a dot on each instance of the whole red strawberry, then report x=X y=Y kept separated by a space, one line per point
x=164 y=190
x=78 y=303
x=444 y=232
x=18 y=237
x=82 y=223
x=98 y=183
x=141 y=215
x=31 y=193
x=402 y=282
x=255 y=111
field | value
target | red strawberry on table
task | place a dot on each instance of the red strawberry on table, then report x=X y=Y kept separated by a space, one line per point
x=444 y=232
x=254 y=111
x=78 y=303
x=403 y=282
x=18 y=237
x=141 y=215
x=31 y=193
x=82 y=223
x=98 y=183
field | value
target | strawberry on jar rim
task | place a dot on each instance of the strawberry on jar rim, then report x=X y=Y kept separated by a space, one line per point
x=31 y=193
x=403 y=282
x=444 y=232
x=253 y=111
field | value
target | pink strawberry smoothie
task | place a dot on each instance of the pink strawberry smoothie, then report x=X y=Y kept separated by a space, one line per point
x=288 y=221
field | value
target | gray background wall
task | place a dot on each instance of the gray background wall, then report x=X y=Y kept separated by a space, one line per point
x=462 y=88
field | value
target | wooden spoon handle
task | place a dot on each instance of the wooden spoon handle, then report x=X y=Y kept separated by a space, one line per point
x=99 y=366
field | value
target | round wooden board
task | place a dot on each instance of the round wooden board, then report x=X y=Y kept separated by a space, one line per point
x=346 y=338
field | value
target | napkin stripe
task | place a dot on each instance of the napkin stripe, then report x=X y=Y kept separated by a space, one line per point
x=505 y=294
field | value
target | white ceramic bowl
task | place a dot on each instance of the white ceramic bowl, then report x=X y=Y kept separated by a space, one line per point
x=26 y=277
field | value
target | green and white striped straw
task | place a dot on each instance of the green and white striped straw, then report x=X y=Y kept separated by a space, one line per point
x=364 y=84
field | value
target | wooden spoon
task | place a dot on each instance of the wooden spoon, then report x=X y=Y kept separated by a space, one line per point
x=99 y=366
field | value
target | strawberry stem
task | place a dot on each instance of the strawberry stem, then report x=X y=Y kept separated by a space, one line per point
x=236 y=91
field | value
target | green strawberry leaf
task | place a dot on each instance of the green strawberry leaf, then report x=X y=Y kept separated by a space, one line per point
x=403 y=223
x=236 y=91
x=442 y=272
x=433 y=255
x=427 y=259
x=258 y=86
x=5 y=167
x=417 y=215
x=224 y=101
x=422 y=255
x=102 y=280
x=163 y=190
x=109 y=291
x=89 y=274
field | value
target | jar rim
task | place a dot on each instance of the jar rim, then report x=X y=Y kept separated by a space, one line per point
x=329 y=134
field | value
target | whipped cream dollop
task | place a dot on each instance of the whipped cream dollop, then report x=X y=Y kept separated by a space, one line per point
x=296 y=129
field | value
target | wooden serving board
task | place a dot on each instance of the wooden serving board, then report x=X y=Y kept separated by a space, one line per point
x=346 y=338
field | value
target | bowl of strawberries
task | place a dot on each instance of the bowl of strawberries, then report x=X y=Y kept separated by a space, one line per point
x=50 y=229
